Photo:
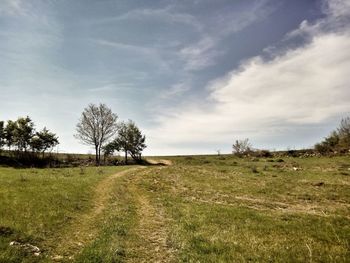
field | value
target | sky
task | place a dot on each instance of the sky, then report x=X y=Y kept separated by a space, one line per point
x=195 y=75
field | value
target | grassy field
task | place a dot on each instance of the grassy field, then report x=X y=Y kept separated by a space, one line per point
x=39 y=206
x=198 y=209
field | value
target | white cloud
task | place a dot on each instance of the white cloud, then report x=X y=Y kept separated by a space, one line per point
x=167 y=15
x=164 y=15
x=205 y=51
x=337 y=20
x=12 y=7
x=303 y=86
x=125 y=47
x=152 y=54
x=174 y=91
x=338 y=8
x=200 y=54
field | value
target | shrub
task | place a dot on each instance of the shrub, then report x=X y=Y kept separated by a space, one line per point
x=338 y=141
x=241 y=147
x=254 y=169
x=262 y=153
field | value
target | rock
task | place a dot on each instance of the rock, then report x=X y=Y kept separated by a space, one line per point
x=58 y=257
x=26 y=246
x=31 y=248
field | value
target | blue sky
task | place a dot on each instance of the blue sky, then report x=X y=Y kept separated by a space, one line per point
x=194 y=75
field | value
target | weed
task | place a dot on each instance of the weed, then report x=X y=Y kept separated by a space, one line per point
x=23 y=177
x=6 y=231
x=254 y=169
x=82 y=170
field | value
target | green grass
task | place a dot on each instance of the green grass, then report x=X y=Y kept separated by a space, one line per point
x=200 y=209
x=36 y=204
x=225 y=209
x=116 y=231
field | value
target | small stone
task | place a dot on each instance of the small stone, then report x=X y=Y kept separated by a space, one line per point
x=58 y=257
x=32 y=248
x=27 y=247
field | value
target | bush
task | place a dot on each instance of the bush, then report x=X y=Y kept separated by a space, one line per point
x=262 y=153
x=254 y=169
x=338 y=141
x=241 y=147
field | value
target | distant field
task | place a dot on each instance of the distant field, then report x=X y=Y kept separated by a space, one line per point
x=198 y=209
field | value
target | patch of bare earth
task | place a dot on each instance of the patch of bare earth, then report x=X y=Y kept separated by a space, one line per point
x=152 y=233
x=159 y=161
x=84 y=229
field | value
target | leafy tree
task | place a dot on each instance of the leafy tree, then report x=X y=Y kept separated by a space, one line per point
x=338 y=140
x=23 y=133
x=44 y=140
x=10 y=133
x=36 y=144
x=136 y=141
x=241 y=147
x=129 y=140
x=97 y=125
x=329 y=144
x=110 y=148
x=2 y=134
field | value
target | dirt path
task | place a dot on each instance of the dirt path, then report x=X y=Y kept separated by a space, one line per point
x=159 y=161
x=83 y=230
x=152 y=232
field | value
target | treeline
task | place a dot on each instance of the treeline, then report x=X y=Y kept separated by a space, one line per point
x=20 y=137
x=22 y=144
x=338 y=142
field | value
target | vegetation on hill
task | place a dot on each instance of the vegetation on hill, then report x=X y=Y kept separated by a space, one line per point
x=21 y=137
x=97 y=126
x=25 y=146
x=338 y=141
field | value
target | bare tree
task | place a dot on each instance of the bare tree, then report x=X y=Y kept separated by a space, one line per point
x=344 y=133
x=97 y=125
x=241 y=147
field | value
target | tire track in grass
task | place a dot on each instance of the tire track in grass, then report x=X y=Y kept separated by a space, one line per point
x=152 y=232
x=83 y=230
